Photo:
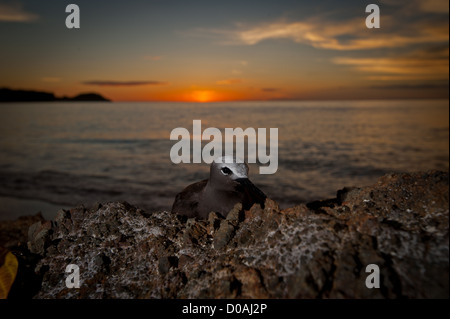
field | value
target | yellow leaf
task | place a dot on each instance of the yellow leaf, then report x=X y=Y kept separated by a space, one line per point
x=8 y=272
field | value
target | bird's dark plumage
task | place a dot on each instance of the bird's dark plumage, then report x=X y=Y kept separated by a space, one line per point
x=228 y=185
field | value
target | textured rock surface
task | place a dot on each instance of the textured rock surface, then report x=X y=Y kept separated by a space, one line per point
x=15 y=232
x=319 y=250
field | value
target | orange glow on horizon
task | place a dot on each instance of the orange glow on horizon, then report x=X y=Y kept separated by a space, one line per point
x=203 y=96
x=191 y=95
x=215 y=93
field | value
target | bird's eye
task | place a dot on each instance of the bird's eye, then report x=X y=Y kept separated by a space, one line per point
x=226 y=171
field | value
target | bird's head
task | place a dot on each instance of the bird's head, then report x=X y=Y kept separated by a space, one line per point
x=226 y=172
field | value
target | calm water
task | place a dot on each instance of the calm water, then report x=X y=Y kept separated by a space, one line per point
x=57 y=155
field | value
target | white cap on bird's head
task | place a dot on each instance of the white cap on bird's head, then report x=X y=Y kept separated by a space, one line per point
x=231 y=166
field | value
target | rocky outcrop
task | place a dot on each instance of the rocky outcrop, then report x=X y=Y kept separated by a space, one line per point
x=10 y=95
x=318 y=250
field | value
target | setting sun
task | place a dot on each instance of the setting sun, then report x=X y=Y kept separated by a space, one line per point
x=203 y=96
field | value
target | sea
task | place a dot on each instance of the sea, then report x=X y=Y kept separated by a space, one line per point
x=64 y=154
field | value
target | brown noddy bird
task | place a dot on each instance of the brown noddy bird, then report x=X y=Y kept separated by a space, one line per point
x=228 y=184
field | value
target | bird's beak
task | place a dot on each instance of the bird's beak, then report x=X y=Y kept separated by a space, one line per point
x=244 y=181
x=250 y=187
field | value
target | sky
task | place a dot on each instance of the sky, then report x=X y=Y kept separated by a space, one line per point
x=207 y=51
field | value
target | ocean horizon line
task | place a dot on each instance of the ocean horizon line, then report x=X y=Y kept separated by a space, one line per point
x=230 y=101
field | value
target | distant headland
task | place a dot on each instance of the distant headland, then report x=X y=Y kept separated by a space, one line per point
x=9 y=95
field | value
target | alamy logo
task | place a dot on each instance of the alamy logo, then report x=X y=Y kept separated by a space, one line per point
x=73 y=19
x=373 y=19
x=181 y=151
x=373 y=280
x=73 y=280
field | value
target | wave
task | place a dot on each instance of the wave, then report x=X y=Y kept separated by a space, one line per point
x=72 y=189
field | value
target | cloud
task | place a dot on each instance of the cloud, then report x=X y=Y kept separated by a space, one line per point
x=124 y=83
x=341 y=36
x=399 y=68
x=432 y=6
x=424 y=6
x=414 y=23
x=229 y=82
x=435 y=6
x=404 y=28
x=14 y=12
x=423 y=86
x=393 y=65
